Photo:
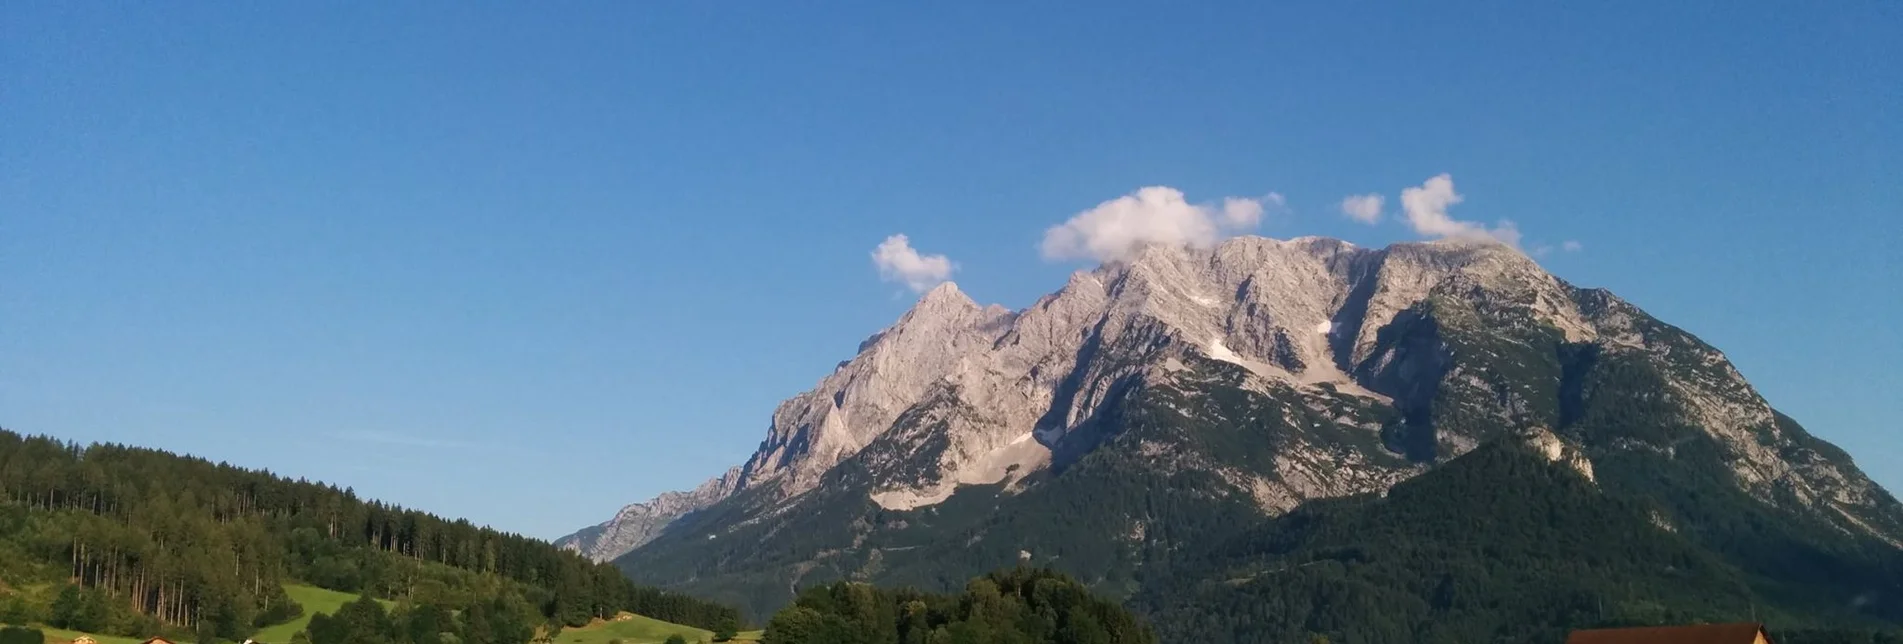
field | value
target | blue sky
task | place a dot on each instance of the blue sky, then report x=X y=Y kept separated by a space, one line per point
x=526 y=264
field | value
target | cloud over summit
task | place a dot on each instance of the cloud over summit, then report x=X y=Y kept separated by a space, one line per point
x=899 y=262
x=1426 y=207
x=1114 y=229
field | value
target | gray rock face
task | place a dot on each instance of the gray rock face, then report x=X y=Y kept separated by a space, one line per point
x=956 y=394
x=639 y=523
x=895 y=369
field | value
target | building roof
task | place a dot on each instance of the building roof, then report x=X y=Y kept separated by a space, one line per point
x=1744 y=633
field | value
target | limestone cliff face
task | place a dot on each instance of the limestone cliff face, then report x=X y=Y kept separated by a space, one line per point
x=1391 y=359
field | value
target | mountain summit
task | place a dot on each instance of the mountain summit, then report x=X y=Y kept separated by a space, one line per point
x=1148 y=402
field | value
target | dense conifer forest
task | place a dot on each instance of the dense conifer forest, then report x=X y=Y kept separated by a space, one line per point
x=1498 y=545
x=125 y=540
x=1019 y=606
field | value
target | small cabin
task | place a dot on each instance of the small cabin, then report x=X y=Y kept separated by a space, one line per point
x=1745 y=633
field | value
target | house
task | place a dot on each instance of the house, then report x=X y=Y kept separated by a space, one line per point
x=1745 y=633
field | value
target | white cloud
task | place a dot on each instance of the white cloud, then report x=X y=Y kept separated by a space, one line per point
x=1363 y=208
x=1571 y=246
x=1242 y=213
x=1153 y=215
x=1426 y=207
x=898 y=262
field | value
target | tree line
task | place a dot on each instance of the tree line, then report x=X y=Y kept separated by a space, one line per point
x=157 y=540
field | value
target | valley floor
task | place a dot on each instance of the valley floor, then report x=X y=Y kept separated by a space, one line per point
x=635 y=630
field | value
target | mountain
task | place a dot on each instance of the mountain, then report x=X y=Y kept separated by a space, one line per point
x=1154 y=408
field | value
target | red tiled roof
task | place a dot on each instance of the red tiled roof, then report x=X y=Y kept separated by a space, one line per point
x=1745 y=633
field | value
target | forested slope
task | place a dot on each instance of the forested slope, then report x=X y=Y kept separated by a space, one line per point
x=1499 y=545
x=154 y=541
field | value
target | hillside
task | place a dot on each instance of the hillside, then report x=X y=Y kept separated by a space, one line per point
x=153 y=542
x=1503 y=544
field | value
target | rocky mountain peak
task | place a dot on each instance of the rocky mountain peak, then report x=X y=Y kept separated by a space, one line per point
x=1386 y=360
x=945 y=297
x=1015 y=382
x=894 y=369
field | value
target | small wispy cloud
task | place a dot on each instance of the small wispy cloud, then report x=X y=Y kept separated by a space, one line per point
x=1114 y=229
x=899 y=262
x=1363 y=208
x=1543 y=250
x=1426 y=207
x=399 y=439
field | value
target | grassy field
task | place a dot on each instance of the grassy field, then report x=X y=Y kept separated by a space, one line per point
x=636 y=630
x=639 y=630
x=314 y=600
